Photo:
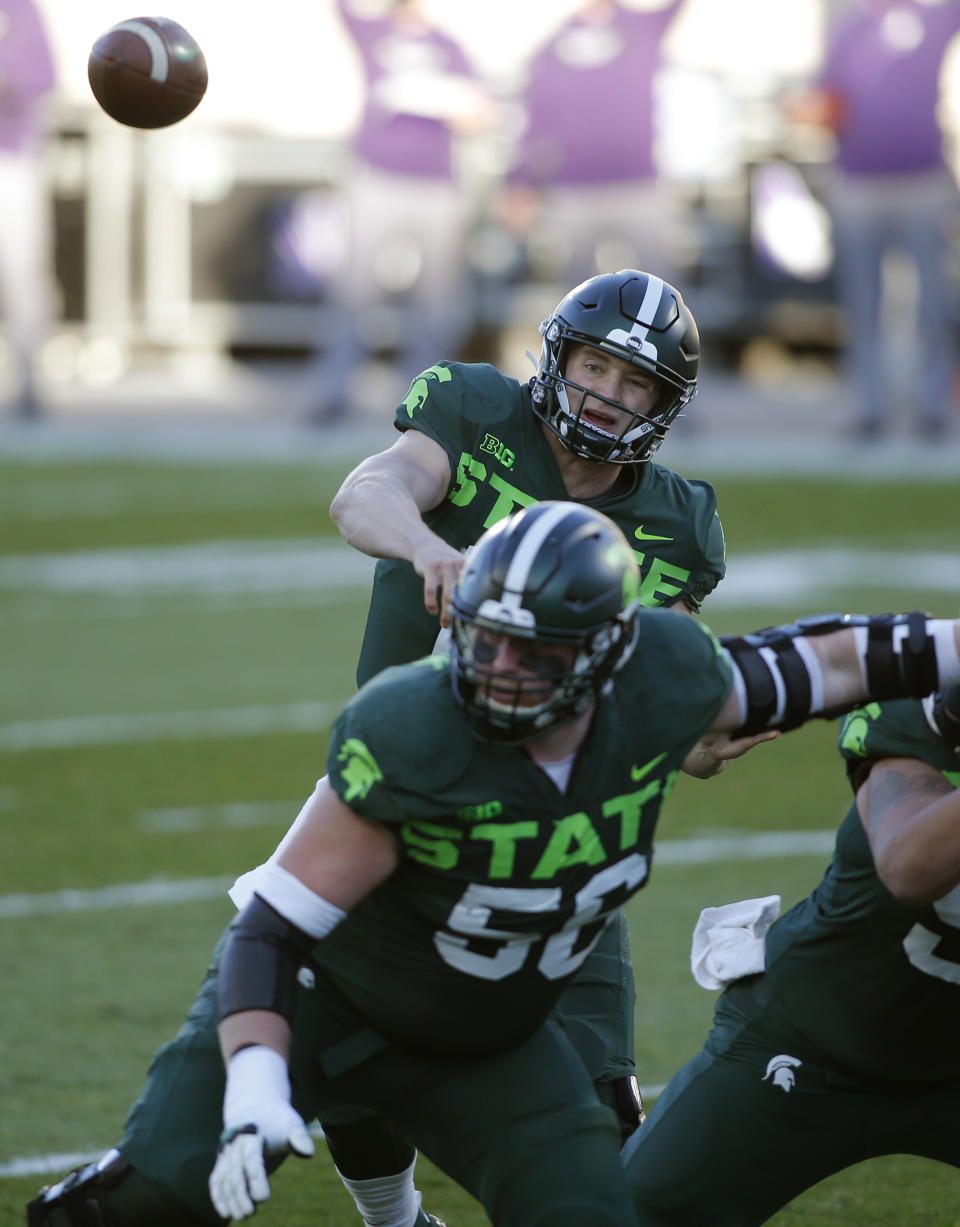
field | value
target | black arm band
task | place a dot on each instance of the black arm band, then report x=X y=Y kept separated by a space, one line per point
x=901 y=657
x=781 y=689
x=259 y=965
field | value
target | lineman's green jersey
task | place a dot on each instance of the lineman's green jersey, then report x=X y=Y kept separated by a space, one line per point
x=428 y=1004
x=843 y=1049
x=869 y=981
x=500 y=460
x=505 y=882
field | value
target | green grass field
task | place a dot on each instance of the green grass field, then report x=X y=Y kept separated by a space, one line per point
x=175 y=640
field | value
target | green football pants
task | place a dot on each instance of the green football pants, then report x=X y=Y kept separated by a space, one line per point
x=742 y=1129
x=520 y=1130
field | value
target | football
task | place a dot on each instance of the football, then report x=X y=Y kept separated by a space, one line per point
x=147 y=72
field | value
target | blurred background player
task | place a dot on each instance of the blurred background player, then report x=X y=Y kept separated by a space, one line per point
x=584 y=187
x=879 y=93
x=844 y=1048
x=404 y=285
x=26 y=236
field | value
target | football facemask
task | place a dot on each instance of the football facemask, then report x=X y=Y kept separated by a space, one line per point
x=543 y=614
x=640 y=319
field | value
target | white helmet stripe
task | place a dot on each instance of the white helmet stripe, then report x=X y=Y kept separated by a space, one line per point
x=645 y=316
x=520 y=565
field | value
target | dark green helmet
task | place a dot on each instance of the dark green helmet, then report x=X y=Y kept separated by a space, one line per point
x=632 y=315
x=561 y=577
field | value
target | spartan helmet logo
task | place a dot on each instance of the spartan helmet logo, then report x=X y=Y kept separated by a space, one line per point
x=780 y=1069
x=361 y=771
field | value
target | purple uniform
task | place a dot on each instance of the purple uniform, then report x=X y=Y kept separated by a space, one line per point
x=408 y=71
x=26 y=73
x=590 y=101
x=884 y=65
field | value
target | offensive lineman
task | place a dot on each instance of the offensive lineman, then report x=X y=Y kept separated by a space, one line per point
x=858 y=1007
x=474 y=446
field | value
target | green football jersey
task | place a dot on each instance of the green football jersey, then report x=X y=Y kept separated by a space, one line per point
x=505 y=882
x=872 y=982
x=500 y=460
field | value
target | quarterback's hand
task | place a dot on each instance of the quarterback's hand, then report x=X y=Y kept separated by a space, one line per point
x=439 y=564
x=714 y=750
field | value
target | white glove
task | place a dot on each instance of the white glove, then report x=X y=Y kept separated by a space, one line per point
x=257 y=1117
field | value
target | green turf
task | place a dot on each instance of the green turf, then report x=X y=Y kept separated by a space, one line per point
x=89 y=995
x=89 y=504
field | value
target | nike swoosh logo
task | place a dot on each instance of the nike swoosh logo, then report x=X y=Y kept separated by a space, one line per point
x=642 y=536
x=637 y=773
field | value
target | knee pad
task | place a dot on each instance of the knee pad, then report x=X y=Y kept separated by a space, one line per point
x=108 y=1193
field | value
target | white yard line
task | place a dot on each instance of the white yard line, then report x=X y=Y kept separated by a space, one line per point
x=268 y=565
x=106 y=898
x=152 y=893
x=232 y=815
x=41 y=1165
x=174 y=725
x=764 y=846
x=249 y=568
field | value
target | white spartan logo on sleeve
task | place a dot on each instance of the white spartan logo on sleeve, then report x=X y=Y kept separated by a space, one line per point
x=780 y=1070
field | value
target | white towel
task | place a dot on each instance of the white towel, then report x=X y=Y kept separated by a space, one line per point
x=728 y=942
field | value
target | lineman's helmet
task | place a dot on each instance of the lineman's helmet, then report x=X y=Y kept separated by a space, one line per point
x=557 y=576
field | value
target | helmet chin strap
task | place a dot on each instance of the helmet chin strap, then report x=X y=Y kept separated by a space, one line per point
x=565 y=418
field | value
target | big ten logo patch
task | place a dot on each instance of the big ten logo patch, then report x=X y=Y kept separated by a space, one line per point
x=498 y=450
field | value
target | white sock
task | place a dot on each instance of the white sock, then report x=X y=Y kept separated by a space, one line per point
x=386 y=1201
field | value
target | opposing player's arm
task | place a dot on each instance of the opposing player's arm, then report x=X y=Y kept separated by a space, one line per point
x=823 y=666
x=911 y=814
x=379 y=511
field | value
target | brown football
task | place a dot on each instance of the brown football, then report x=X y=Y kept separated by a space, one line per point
x=147 y=72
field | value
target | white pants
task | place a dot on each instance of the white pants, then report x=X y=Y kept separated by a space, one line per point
x=406 y=244
x=872 y=215
x=26 y=257
x=599 y=228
